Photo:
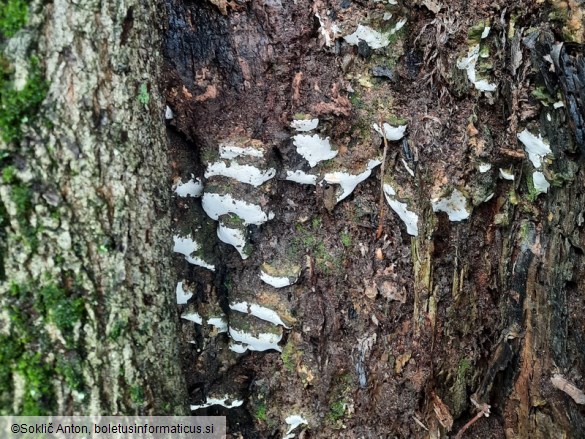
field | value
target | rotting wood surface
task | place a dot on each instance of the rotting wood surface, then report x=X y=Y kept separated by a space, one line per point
x=486 y=308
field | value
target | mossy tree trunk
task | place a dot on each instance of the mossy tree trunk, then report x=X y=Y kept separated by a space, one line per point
x=87 y=320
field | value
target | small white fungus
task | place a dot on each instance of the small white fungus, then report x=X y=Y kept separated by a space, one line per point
x=233 y=236
x=243 y=173
x=301 y=177
x=455 y=206
x=484 y=167
x=391 y=133
x=349 y=182
x=186 y=247
x=293 y=421
x=401 y=209
x=540 y=183
x=216 y=205
x=231 y=151
x=468 y=63
x=534 y=146
x=263 y=342
x=276 y=281
x=303 y=125
x=258 y=311
x=182 y=295
x=225 y=402
x=506 y=174
x=193 y=188
x=313 y=148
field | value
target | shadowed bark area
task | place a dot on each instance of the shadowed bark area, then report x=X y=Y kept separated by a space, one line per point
x=403 y=335
x=87 y=321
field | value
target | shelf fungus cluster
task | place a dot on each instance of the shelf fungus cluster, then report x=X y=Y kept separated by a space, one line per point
x=260 y=312
x=315 y=149
x=471 y=62
x=233 y=190
x=455 y=205
x=353 y=34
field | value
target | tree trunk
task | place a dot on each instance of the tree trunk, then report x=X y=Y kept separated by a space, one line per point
x=88 y=325
x=472 y=293
x=319 y=288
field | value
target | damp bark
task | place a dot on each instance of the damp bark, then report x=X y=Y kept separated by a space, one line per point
x=397 y=335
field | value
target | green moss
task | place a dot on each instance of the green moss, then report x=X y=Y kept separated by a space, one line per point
x=346 y=239
x=20 y=107
x=26 y=350
x=39 y=398
x=541 y=93
x=260 y=413
x=137 y=395
x=336 y=410
x=309 y=240
x=21 y=196
x=533 y=193
x=288 y=355
x=117 y=329
x=71 y=371
x=13 y=16
x=143 y=96
x=58 y=307
x=475 y=32
x=8 y=174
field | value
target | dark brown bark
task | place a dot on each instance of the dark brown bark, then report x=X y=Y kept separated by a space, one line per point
x=401 y=328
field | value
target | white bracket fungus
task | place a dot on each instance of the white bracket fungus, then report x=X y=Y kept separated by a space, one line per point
x=303 y=125
x=455 y=206
x=218 y=322
x=226 y=402
x=293 y=421
x=301 y=177
x=313 y=148
x=279 y=278
x=540 y=183
x=391 y=133
x=186 y=247
x=506 y=174
x=263 y=342
x=468 y=63
x=373 y=38
x=182 y=295
x=243 y=173
x=216 y=205
x=233 y=236
x=484 y=167
x=193 y=188
x=534 y=146
x=410 y=218
x=349 y=182
x=231 y=151
x=258 y=311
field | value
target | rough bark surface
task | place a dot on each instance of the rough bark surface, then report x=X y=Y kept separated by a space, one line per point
x=398 y=336
x=87 y=319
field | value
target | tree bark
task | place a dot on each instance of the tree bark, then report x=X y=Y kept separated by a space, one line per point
x=402 y=336
x=88 y=322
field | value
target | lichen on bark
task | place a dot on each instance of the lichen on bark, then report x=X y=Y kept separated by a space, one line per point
x=85 y=289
